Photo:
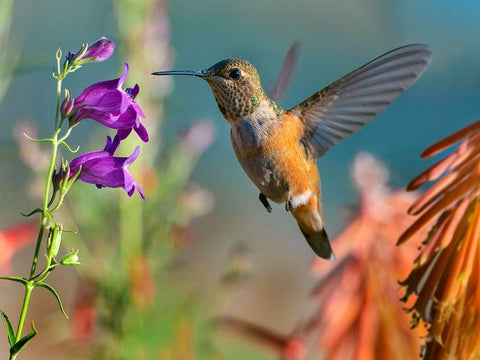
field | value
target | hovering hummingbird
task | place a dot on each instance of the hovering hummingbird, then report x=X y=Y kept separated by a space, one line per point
x=278 y=148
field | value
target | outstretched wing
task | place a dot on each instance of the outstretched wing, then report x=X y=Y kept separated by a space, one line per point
x=335 y=112
x=285 y=73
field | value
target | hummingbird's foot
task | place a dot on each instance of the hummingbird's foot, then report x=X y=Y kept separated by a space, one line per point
x=264 y=201
x=288 y=205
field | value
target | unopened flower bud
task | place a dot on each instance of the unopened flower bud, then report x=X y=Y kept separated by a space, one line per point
x=74 y=58
x=54 y=240
x=99 y=51
x=71 y=258
x=60 y=178
x=67 y=105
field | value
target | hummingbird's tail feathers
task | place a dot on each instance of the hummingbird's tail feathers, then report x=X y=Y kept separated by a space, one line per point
x=312 y=226
x=318 y=241
x=345 y=106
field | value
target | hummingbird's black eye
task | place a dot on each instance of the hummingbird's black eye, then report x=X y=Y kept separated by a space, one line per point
x=235 y=74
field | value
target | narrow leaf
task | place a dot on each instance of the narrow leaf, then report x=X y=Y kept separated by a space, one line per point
x=10 y=332
x=74 y=177
x=54 y=292
x=37 y=140
x=37 y=210
x=14 y=278
x=15 y=349
x=68 y=147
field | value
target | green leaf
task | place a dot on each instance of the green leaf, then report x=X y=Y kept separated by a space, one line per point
x=74 y=177
x=68 y=147
x=37 y=140
x=10 y=332
x=54 y=292
x=14 y=278
x=37 y=210
x=15 y=349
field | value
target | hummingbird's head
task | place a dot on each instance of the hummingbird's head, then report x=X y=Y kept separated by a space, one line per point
x=235 y=84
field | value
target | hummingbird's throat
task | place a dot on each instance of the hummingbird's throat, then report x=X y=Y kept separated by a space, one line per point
x=234 y=104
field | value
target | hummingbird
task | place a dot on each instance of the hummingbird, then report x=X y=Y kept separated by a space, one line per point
x=278 y=149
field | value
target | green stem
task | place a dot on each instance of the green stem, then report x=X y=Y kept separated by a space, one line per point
x=45 y=201
x=60 y=77
x=37 y=247
x=54 y=142
x=67 y=134
x=30 y=285
x=58 y=204
x=46 y=215
x=26 y=300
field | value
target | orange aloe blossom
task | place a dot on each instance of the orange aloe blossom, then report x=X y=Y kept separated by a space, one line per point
x=360 y=314
x=446 y=273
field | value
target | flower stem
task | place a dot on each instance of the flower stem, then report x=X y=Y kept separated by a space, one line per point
x=54 y=142
x=59 y=95
x=28 y=292
x=45 y=201
x=45 y=216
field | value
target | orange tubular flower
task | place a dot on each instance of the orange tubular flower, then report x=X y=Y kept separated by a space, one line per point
x=446 y=273
x=13 y=240
x=361 y=316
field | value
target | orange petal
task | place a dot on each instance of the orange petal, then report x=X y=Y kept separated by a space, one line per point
x=451 y=139
x=440 y=205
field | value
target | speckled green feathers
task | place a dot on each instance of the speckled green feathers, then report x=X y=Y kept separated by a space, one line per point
x=222 y=68
x=236 y=98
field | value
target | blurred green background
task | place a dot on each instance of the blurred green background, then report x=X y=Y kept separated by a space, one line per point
x=335 y=38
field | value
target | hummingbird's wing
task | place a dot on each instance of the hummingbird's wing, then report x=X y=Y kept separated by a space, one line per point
x=335 y=112
x=285 y=73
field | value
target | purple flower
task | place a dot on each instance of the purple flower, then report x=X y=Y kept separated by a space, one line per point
x=105 y=170
x=106 y=103
x=99 y=51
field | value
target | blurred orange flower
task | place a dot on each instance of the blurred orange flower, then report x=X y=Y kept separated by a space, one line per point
x=142 y=281
x=85 y=317
x=361 y=316
x=288 y=347
x=13 y=240
x=446 y=273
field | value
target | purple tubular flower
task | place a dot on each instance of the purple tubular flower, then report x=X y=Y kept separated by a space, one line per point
x=105 y=170
x=99 y=51
x=106 y=103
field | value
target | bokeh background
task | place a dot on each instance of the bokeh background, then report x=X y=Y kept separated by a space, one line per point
x=335 y=37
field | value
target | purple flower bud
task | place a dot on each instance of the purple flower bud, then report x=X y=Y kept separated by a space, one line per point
x=108 y=104
x=99 y=51
x=105 y=170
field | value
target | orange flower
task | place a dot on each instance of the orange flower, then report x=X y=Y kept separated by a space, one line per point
x=142 y=281
x=85 y=316
x=361 y=316
x=288 y=347
x=446 y=273
x=13 y=240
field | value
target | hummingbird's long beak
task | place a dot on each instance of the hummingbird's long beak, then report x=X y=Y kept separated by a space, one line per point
x=182 y=72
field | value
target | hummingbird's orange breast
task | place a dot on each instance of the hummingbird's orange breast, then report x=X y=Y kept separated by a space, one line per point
x=273 y=157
